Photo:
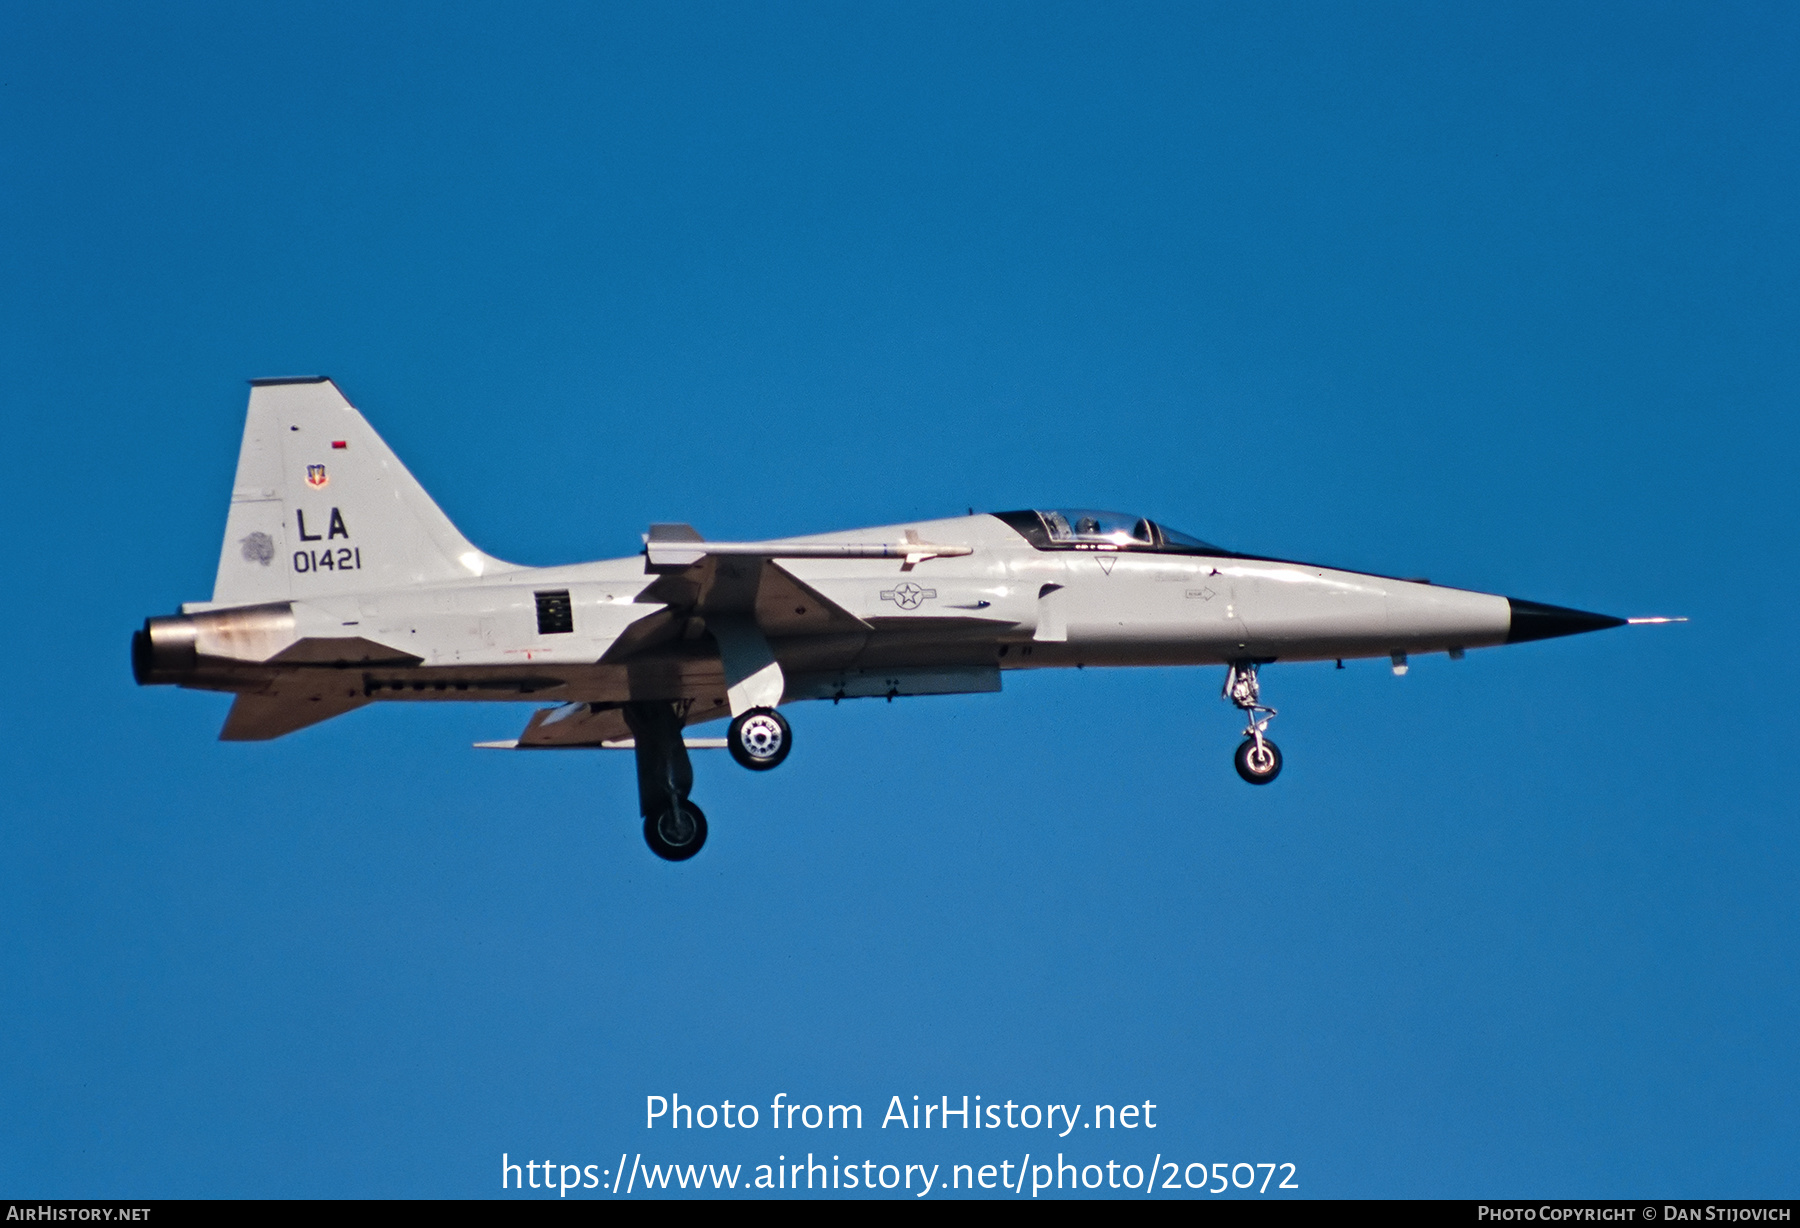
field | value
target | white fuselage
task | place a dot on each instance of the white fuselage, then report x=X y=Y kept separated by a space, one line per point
x=883 y=627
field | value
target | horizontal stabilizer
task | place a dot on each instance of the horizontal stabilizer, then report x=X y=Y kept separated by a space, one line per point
x=257 y=716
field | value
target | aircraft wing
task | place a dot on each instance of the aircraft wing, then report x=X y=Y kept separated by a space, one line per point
x=745 y=579
x=589 y=726
x=742 y=580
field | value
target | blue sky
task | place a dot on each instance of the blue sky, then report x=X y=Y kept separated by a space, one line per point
x=1504 y=297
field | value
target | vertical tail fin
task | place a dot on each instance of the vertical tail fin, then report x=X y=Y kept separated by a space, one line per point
x=322 y=506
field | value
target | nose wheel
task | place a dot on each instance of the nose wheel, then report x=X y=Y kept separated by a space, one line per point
x=1258 y=760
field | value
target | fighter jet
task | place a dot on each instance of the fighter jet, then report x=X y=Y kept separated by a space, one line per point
x=341 y=584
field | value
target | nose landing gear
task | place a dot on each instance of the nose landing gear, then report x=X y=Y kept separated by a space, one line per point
x=1258 y=760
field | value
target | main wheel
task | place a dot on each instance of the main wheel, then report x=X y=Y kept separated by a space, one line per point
x=1258 y=767
x=677 y=833
x=760 y=739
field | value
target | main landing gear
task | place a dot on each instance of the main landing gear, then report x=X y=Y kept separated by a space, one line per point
x=677 y=833
x=674 y=828
x=1258 y=760
x=759 y=739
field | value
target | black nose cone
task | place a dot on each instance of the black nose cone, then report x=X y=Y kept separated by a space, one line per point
x=1534 y=621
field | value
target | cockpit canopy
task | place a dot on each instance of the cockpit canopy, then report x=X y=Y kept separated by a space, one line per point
x=1082 y=528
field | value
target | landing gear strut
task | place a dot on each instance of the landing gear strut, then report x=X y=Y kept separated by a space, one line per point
x=674 y=827
x=1258 y=760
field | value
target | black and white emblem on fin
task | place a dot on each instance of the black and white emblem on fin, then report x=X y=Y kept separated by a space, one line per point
x=259 y=548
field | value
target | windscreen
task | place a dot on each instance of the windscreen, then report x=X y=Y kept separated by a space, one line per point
x=1085 y=528
x=1089 y=525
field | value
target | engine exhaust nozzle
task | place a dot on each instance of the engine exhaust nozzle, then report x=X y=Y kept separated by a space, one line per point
x=164 y=652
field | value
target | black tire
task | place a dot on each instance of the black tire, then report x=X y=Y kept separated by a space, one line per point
x=760 y=739
x=1258 y=772
x=670 y=837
